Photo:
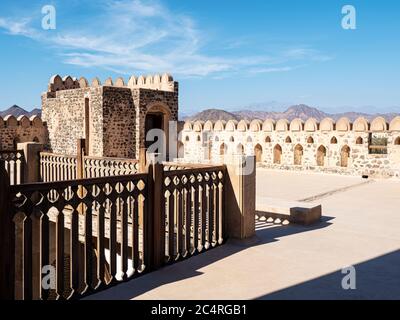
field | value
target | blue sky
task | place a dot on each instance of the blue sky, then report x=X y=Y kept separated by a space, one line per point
x=225 y=54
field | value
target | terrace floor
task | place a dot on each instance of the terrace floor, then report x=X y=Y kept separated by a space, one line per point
x=360 y=228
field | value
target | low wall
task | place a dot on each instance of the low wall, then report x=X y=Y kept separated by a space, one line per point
x=338 y=147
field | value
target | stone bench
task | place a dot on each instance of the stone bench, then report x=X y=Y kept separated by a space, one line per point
x=304 y=213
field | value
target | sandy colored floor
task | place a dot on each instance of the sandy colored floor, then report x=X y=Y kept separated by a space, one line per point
x=361 y=227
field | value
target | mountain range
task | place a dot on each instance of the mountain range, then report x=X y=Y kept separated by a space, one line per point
x=17 y=111
x=301 y=111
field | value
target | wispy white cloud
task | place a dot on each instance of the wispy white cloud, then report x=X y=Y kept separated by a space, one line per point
x=129 y=36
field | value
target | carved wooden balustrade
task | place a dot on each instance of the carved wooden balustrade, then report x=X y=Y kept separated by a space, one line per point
x=193 y=210
x=95 y=167
x=55 y=167
x=14 y=165
x=87 y=220
x=100 y=231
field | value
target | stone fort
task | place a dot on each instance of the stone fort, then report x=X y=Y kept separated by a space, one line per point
x=358 y=148
x=115 y=116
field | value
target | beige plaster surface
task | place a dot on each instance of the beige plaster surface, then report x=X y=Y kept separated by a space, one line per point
x=360 y=227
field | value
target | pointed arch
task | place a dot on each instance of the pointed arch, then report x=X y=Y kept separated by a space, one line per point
x=333 y=140
x=359 y=140
x=321 y=154
x=344 y=156
x=258 y=151
x=288 y=139
x=310 y=140
x=223 y=149
x=240 y=149
x=268 y=139
x=298 y=155
x=277 y=154
x=397 y=141
x=181 y=150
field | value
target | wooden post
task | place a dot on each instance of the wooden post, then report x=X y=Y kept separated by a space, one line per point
x=158 y=214
x=32 y=161
x=142 y=160
x=7 y=238
x=240 y=197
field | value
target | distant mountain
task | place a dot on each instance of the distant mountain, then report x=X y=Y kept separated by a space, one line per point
x=17 y=111
x=301 y=111
x=214 y=115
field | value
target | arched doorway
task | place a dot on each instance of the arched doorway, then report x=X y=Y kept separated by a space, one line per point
x=181 y=150
x=157 y=117
x=321 y=154
x=344 y=156
x=223 y=149
x=240 y=149
x=258 y=153
x=277 y=154
x=298 y=155
x=15 y=142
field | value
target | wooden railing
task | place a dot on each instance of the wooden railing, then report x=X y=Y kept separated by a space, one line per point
x=95 y=167
x=81 y=228
x=193 y=210
x=55 y=167
x=73 y=233
x=14 y=164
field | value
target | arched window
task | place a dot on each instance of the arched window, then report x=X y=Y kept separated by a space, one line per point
x=35 y=139
x=344 y=156
x=310 y=140
x=216 y=139
x=288 y=140
x=397 y=141
x=298 y=155
x=249 y=139
x=231 y=139
x=359 y=140
x=333 y=140
x=268 y=139
x=321 y=154
x=198 y=138
x=258 y=152
x=277 y=154
x=187 y=139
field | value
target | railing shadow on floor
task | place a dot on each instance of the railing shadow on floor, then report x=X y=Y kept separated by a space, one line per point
x=189 y=268
x=376 y=279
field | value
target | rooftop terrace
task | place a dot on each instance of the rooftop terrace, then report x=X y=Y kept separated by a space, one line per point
x=360 y=227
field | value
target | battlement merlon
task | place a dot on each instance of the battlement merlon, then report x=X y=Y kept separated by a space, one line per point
x=159 y=82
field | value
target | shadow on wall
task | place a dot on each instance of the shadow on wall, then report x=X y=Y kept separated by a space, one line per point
x=189 y=268
x=376 y=279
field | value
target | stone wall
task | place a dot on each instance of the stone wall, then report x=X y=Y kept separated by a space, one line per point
x=22 y=129
x=117 y=112
x=340 y=147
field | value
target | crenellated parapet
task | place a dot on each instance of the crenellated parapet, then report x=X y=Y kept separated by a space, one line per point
x=163 y=82
x=21 y=129
x=23 y=122
x=360 y=147
x=343 y=124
